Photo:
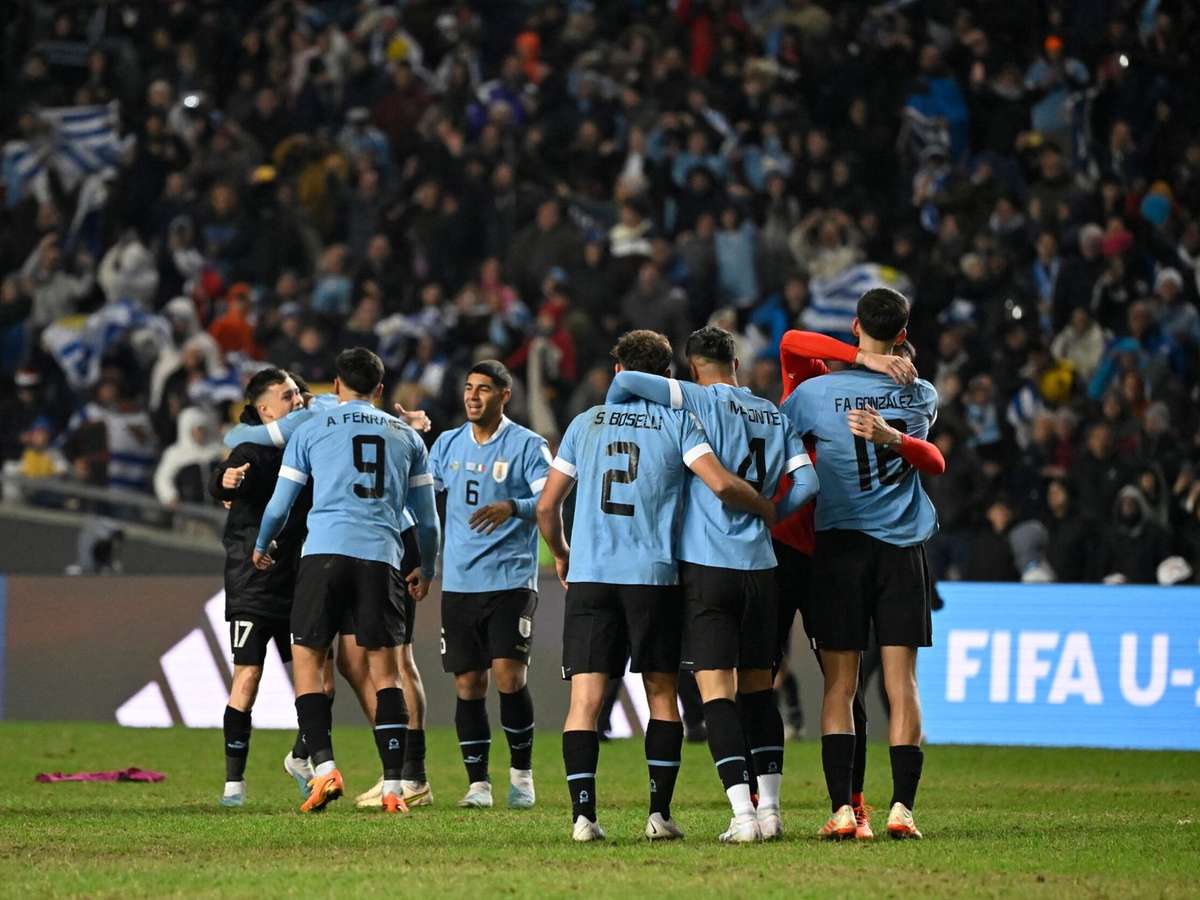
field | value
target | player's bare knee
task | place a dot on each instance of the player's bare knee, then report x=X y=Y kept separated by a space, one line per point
x=244 y=688
x=751 y=681
x=509 y=674
x=471 y=685
x=662 y=695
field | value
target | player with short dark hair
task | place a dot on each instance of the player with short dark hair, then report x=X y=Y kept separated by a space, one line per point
x=629 y=461
x=492 y=471
x=366 y=467
x=872 y=521
x=257 y=604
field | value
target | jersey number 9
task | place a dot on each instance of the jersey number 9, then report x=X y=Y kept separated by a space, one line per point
x=369 y=466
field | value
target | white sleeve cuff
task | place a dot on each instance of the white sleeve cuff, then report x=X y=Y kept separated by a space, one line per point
x=563 y=466
x=676 y=393
x=537 y=486
x=695 y=453
x=293 y=474
x=420 y=480
x=438 y=485
x=799 y=461
x=276 y=434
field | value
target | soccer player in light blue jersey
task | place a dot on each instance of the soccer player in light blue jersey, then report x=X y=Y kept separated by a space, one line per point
x=491 y=471
x=727 y=567
x=628 y=464
x=869 y=567
x=366 y=467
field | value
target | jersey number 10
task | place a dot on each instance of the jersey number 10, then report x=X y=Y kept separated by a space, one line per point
x=883 y=456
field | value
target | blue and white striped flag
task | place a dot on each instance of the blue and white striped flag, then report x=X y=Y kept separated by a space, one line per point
x=79 y=344
x=78 y=142
x=834 y=301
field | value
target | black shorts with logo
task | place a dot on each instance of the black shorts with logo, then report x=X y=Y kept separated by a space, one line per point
x=606 y=624
x=860 y=581
x=793 y=574
x=335 y=591
x=731 y=618
x=250 y=635
x=478 y=627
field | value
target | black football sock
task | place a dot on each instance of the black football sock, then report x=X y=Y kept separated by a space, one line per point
x=744 y=722
x=664 y=745
x=791 y=701
x=237 y=743
x=391 y=727
x=907 y=762
x=516 y=718
x=837 y=757
x=414 y=756
x=764 y=729
x=860 y=747
x=314 y=712
x=727 y=744
x=299 y=748
x=581 y=753
x=474 y=737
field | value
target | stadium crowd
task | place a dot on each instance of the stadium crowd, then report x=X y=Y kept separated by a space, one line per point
x=193 y=189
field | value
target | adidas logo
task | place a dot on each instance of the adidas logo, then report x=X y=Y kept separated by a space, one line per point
x=194 y=686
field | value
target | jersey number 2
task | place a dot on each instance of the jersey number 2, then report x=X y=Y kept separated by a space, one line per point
x=619 y=476
x=369 y=466
x=883 y=456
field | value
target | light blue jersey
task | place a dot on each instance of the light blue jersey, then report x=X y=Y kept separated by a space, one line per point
x=512 y=465
x=865 y=487
x=278 y=433
x=628 y=461
x=366 y=467
x=752 y=439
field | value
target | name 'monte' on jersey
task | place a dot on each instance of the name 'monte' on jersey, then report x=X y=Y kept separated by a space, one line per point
x=362 y=462
x=512 y=465
x=865 y=487
x=628 y=461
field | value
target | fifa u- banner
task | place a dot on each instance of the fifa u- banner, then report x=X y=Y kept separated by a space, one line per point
x=1064 y=665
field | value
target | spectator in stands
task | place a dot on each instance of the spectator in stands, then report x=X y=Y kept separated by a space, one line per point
x=1071 y=542
x=183 y=472
x=1133 y=544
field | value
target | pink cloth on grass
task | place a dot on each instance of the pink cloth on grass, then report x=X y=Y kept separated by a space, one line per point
x=131 y=774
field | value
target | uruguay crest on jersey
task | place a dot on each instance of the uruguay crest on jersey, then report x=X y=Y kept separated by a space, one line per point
x=499 y=470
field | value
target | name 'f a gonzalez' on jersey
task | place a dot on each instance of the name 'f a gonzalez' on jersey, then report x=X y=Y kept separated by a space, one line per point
x=511 y=465
x=629 y=464
x=866 y=487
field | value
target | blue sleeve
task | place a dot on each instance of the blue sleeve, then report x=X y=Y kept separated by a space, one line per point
x=435 y=461
x=536 y=466
x=273 y=434
x=795 y=409
x=565 y=460
x=658 y=389
x=424 y=508
x=805 y=485
x=276 y=513
x=693 y=439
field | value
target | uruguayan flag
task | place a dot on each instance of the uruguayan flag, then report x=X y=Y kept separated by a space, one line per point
x=77 y=142
x=833 y=301
x=79 y=344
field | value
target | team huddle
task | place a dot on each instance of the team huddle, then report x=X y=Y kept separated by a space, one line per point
x=694 y=542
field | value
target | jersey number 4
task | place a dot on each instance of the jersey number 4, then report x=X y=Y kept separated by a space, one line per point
x=883 y=456
x=620 y=476
x=373 y=467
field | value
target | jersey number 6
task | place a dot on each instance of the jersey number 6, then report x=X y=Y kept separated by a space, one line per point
x=369 y=466
x=619 y=476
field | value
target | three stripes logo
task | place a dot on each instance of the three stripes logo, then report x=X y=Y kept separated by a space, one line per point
x=195 y=681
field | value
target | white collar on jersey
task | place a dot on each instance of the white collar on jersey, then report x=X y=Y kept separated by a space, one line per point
x=505 y=421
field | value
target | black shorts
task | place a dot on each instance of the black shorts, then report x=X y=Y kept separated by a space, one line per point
x=793 y=575
x=334 y=591
x=409 y=608
x=862 y=581
x=606 y=624
x=481 y=626
x=731 y=618
x=250 y=635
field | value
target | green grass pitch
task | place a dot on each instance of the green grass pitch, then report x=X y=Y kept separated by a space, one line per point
x=997 y=822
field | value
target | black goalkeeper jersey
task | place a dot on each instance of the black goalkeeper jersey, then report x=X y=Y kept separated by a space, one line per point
x=248 y=591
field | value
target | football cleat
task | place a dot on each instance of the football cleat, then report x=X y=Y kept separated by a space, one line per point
x=369 y=799
x=393 y=804
x=586 y=830
x=900 y=823
x=770 y=825
x=521 y=794
x=322 y=790
x=235 y=794
x=479 y=796
x=741 y=830
x=660 y=829
x=841 y=825
x=301 y=770
x=862 y=820
x=417 y=793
